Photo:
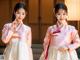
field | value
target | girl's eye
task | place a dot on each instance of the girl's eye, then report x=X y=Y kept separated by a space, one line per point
x=64 y=14
x=17 y=12
x=58 y=14
x=22 y=13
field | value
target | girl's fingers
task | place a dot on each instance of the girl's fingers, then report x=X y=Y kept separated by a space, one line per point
x=63 y=48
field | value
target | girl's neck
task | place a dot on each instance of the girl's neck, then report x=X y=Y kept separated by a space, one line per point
x=61 y=23
x=19 y=22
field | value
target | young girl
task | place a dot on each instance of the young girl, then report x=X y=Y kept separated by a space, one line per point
x=17 y=36
x=61 y=39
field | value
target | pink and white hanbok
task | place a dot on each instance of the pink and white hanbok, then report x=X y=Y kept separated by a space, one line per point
x=18 y=49
x=56 y=37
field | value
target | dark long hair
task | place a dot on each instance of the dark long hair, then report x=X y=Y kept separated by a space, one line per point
x=17 y=7
x=60 y=6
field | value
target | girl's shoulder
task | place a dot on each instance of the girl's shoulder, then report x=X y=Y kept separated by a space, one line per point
x=7 y=24
x=52 y=27
x=72 y=28
x=27 y=27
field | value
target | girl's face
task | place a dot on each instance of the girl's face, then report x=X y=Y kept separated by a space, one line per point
x=61 y=15
x=20 y=14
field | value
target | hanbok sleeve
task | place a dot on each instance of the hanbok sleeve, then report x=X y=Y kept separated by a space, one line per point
x=47 y=38
x=6 y=33
x=29 y=39
x=75 y=40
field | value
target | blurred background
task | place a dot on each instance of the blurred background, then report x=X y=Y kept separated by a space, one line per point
x=40 y=17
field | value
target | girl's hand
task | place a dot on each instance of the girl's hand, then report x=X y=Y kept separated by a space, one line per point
x=15 y=35
x=14 y=25
x=63 y=48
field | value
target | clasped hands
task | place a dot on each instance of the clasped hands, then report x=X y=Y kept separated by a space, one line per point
x=63 y=48
x=14 y=28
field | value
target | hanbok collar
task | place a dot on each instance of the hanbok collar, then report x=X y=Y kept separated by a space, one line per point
x=61 y=27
